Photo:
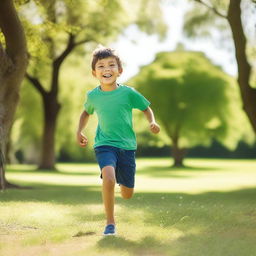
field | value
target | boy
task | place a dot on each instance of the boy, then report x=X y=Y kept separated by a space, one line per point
x=115 y=141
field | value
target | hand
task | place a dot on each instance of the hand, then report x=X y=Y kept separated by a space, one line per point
x=154 y=127
x=81 y=139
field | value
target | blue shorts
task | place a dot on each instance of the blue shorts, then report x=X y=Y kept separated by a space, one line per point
x=122 y=160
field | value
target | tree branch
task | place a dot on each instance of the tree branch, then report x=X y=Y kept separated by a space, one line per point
x=70 y=46
x=5 y=62
x=59 y=60
x=12 y=30
x=248 y=93
x=240 y=41
x=83 y=42
x=212 y=9
x=36 y=83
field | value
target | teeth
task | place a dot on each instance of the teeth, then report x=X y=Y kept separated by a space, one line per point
x=107 y=76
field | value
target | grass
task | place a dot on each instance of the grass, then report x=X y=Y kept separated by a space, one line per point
x=206 y=209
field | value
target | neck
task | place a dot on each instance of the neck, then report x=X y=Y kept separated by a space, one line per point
x=108 y=87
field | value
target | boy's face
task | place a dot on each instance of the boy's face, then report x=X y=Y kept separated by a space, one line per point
x=107 y=71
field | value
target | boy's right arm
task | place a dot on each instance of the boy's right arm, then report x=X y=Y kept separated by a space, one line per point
x=81 y=138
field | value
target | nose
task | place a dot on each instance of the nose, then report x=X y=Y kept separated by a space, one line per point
x=106 y=68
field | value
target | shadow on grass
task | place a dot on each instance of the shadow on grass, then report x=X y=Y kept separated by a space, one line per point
x=54 y=172
x=213 y=223
x=74 y=194
x=154 y=171
x=175 y=172
x=71 y=195
x=206 y=224
x=179 y=209
x=147 y=246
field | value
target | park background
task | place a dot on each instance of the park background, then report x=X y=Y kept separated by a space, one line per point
x=198 y=174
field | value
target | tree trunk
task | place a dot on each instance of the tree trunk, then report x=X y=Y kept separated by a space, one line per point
x=177 y=152
x=13 y=64
x=248 y=93
x=51 y=106
x=51 y=110
x=178 y=155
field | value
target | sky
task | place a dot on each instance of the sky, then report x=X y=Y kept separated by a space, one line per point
x=137 y=49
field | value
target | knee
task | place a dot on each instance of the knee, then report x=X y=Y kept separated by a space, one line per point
x=127 y=195
x=108 y=176
x=109 y=181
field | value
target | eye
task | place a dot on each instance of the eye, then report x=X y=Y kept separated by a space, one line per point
x=112 y=65
x=100 y=66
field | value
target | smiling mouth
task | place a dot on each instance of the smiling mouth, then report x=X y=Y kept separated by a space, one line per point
x=107 y=75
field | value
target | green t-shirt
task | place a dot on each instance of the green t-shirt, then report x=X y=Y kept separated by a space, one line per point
x=114 y=111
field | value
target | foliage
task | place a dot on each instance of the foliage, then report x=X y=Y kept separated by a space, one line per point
x=202 y=21
x=193 y=99
x=27 y=129
x=48 y=25
x=73 y=96
x=240 y=16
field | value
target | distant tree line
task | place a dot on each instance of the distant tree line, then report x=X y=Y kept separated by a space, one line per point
x=216 y=150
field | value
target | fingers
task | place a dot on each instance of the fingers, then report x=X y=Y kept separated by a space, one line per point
x=154 y=128
x=82 y=140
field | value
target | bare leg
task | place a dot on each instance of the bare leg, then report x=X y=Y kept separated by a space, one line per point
x=126 y=192
x=108 y=190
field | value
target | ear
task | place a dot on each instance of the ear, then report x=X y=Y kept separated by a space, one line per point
x=94 y=73
x=120 y=71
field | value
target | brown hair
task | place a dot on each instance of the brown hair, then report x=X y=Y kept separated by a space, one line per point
x=102 y=52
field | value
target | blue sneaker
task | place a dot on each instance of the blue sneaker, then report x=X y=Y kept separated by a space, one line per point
x=109 y=230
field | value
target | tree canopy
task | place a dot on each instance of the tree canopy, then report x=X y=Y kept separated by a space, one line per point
x=194 y=100
x=58 y=28
x=233 y=21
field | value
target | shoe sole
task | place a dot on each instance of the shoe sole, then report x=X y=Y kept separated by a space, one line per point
x=113 y=234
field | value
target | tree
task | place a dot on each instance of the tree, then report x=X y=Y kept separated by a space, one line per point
x=26 y=134
x=192 y=99
x=230 y=12
x=13 y=63
x=64 y=28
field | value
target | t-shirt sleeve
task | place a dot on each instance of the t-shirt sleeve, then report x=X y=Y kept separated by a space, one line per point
x=138 y=100
x=88 y=106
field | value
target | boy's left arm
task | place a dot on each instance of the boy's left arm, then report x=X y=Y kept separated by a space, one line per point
x=153 y=126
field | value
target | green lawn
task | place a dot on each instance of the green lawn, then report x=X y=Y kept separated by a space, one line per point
x=206 y=209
